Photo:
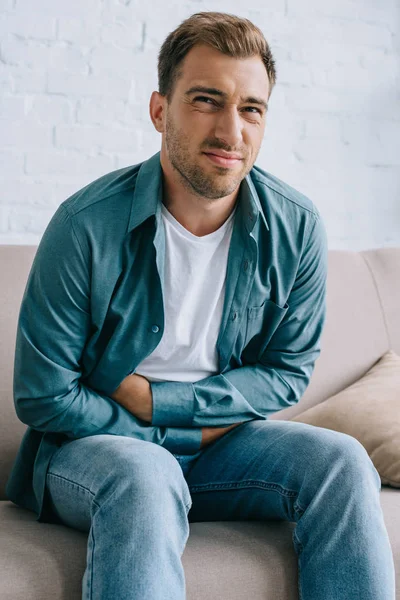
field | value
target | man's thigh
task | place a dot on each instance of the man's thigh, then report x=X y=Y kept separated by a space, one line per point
x=257 y=470
x=82 y=472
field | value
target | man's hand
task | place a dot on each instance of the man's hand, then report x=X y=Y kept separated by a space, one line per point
x=134 y=394
x=210 y=434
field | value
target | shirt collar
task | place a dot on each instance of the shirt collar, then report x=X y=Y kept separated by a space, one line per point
x=147 y=196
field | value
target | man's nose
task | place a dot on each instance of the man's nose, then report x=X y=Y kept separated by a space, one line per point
x=229 y=126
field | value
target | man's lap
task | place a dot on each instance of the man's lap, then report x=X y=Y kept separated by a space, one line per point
x=254 y=471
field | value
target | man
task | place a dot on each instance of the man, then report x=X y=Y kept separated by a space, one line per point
x=172 y=307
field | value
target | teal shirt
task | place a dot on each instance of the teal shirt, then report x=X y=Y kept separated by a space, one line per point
x=92 y=310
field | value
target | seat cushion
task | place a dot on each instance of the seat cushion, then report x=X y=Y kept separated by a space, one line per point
x=224 y=560
x=228 y=560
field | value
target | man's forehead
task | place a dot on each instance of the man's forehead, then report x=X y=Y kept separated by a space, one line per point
x=223 y=73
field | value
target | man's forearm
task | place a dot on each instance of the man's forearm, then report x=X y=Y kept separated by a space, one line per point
x=134 y=394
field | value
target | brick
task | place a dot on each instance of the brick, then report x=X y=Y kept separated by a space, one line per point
x=110 y=59
x=126 y=159
x=355 y=10
x=74 y=164
x=6 y=81
x=335 y=154
x=32 y=220
x=25 y=80
x=31 y=53
x=88 y=138
x=24 y=26
x=362 y=75
x=88 y=9
x=325 y=127
x=293 y=73
x=342 y=101
x=103 y=111
x=120 y=33
x=26 y=134
x=4 y=218
x=280 y=124
x=28 y=191
x=12 y=107
x=374 y=142
x=84 y=32
x=77 y=85
x=50 y=109
x=12 y=161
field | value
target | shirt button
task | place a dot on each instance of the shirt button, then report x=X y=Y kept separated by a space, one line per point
x=155 y=329
x=245 y=264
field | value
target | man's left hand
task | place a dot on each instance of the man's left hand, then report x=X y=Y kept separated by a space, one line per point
x=134 y=394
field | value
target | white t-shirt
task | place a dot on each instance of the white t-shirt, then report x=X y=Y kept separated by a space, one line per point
x=194 y=291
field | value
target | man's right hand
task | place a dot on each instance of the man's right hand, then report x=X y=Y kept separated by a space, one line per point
x=210 y=434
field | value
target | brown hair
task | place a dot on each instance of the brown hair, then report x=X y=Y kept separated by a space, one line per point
x=227 y=33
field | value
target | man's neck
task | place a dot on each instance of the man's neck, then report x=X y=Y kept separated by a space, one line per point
x=200 y=216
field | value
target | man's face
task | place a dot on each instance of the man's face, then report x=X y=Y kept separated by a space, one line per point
x=217 y=108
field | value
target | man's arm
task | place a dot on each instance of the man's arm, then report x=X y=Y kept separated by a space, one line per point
x=134 y=393
x=284 y=369
x=53 y=327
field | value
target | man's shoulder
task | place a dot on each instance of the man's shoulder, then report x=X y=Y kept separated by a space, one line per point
x=271 y=188
x=114 y=184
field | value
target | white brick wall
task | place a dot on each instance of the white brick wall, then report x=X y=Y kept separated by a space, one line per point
x=76 y=77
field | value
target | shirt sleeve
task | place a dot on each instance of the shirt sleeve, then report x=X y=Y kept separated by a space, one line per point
x=53 y=327
x=282 y=373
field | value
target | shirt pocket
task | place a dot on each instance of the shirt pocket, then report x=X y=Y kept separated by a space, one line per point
x=261 y=324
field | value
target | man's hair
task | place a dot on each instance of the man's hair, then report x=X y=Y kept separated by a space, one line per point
x=229 y=34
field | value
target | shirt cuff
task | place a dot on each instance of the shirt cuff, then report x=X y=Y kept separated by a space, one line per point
x=183 y=440
x=173 y=403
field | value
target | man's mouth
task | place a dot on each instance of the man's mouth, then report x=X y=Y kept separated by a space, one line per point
x=223 y=161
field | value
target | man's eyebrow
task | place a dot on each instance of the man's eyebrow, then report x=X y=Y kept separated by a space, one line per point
x=224 y=95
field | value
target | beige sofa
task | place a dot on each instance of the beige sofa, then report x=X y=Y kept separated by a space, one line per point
x=222 y=560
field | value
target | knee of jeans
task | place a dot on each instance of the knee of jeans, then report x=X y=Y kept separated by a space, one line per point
x=148 y=469
x=348 y=455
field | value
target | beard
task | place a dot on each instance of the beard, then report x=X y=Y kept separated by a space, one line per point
x=215 y=183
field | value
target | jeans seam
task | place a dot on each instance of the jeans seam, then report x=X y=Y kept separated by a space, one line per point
x=90 y=591
x=248 y=483
x=297 y=507
x=300 y=550
x=73 y=483
x=298 y=542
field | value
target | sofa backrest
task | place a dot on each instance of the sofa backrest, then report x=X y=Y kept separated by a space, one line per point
x=363 y=322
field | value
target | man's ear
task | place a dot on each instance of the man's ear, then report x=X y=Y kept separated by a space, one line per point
x=157 y=110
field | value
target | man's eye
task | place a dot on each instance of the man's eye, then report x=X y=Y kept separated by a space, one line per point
x=254 y=108
x=211 y=101
x=204 y=98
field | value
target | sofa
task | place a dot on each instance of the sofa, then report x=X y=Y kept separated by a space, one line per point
x=222 y=560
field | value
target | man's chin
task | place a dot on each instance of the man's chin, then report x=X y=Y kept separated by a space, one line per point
x=215 y=193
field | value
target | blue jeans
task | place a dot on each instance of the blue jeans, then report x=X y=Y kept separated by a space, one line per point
x=136 y=499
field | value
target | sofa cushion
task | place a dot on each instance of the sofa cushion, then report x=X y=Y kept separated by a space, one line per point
x=234 y=559
x=225 y=559
x=368 y=410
